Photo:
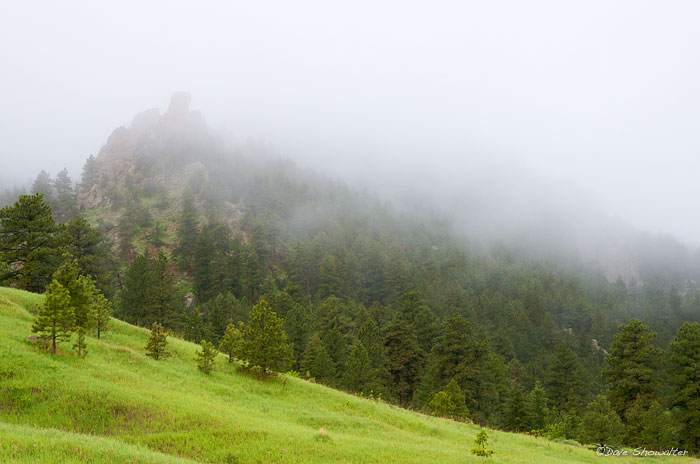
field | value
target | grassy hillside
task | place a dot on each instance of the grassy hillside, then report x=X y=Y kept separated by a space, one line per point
x=118 y=403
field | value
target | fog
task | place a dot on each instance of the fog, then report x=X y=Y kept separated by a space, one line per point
x=498 y=112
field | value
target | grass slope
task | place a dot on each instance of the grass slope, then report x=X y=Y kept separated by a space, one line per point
x=117 y=405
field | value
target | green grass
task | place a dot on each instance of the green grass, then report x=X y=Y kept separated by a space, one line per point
x=117 y=405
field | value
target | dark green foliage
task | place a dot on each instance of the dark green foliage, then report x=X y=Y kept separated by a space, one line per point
x=537 y=406
x=148 y=294
x=564 y=379
x=632 y=368
x=404 y=359
x=264 y=343
x=135 y=295
x=317 y=363
x=298 y=325
x=684 y=376
x=81 y=289
x=206 y=356
x=157 y=344
x=55 y=318
x=517 y=417
x=649 y=426
x=359 y=376
x=449 y=402
x=28 y=243
x=231 y=342
x=87 y=245
x=187 y=235
x=600 y=424
x=65 y=207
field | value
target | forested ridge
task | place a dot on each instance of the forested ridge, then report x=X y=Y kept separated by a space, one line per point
x=200 y=239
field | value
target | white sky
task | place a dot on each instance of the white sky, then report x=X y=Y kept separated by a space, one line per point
x=600 y=95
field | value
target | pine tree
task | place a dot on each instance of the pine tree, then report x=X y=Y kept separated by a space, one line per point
x=601 y=425
x=537 y=405
x=28 y=245
x=87 y=245
x=205 y=357
x=264 y=343
x=404 y=359
x=82 y=291
x=297 y=325
x=632 y=367
x=231 y=342
x=43 y=184
x=442 y=405
x=358 y=375
x=65 y=207
x=187 y=232
x=80 y=346
x=135 y=296
x=162 y=297
x=55 y=318
x=157 y=344
x=317 y=363
x=102 y=309
x=564 y=379
x=88 y=177
x=456 y=395
x=684 y=369
x=516 y=416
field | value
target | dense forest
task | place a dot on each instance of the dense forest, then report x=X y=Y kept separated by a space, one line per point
x=372 y=301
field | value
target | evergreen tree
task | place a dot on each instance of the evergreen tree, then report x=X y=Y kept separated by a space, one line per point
x=537 y=406
x=205 y=357
x=87 y=245
x=442 y=405
x=264 y=343
x=601 y=425
x=298 y=325
x=187 y=231
x=649 y=426
x=516 y=416
x=456 y=396
x=370 y=336
x=358 y=375
x=162 y=297
x=135 y=297
x=684 y=376
x=80 y=346
x=404 y=359
x=81 y=289
x=231 y=342
x=102 y=309
x=157 y=344
x=28 y=245
x=564 y=379
x=632 y=367
x=55 y=318
x=65 y=207
x=88 y=177
x=317 y=363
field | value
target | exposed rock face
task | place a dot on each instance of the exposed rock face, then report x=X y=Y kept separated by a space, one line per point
x=173 y=140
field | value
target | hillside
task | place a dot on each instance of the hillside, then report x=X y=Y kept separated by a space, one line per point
x=117 y=403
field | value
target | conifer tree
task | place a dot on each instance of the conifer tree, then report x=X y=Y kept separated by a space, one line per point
x=632 y=368
x=187 y=234
x=55 y=318
x=136 y=292
x=87 y=246
x=65 y=207
x=298 y=325
x=684 y=376
x=537 y=406
x=157 y=344
x=28 y=244
x=358 y=375
x=317 y=363
x=564 y=379
x=264 y=343
x=102 y=309
x=516 y=417
x=404 y=359
x=80 y=346
x=231 y=342
x=82 y=291
x=600 y=424
x=205 y=357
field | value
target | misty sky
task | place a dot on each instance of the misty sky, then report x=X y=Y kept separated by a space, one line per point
x=602 y=97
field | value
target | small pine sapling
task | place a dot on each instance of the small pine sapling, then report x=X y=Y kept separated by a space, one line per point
x=205 y=357
x=157 y=342
x=481 y=442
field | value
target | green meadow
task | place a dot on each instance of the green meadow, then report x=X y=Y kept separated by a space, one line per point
x=118 y=405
